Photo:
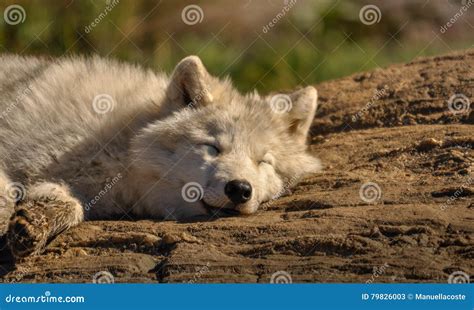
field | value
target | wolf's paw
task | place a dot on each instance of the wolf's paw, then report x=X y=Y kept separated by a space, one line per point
x=27 y=233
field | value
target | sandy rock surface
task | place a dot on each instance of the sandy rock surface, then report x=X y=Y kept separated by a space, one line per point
x=395 y=202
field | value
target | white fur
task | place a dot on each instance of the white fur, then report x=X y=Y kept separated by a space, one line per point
x=156 y=136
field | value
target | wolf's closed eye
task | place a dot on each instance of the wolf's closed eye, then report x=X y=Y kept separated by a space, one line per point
x=211 y=149
x=267 y=159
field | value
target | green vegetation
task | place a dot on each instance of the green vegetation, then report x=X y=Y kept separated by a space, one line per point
x=312 y=42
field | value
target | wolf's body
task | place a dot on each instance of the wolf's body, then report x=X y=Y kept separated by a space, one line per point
x=97 y=139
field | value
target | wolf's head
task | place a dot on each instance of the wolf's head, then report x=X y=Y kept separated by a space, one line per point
x=215 y=148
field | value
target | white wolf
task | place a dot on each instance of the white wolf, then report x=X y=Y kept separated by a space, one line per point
x=90 y=138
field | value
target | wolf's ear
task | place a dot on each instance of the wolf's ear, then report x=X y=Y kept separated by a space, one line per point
x=189 y=83
x=302 y=111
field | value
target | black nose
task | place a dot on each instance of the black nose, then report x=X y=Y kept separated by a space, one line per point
x=238 y=191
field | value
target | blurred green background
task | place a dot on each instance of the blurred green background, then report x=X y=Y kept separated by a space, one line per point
x=310 y=41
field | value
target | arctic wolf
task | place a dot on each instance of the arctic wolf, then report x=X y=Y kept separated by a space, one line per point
x=91 y=138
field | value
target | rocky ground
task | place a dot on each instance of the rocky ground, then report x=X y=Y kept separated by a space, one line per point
x=395 y=202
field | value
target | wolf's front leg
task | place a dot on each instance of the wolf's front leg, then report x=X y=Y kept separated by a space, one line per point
x=7 y=200
x=48 y=210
